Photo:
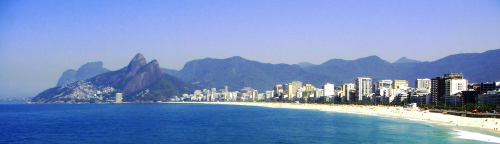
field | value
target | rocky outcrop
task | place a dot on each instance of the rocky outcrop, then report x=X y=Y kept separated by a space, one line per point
x=86 y=71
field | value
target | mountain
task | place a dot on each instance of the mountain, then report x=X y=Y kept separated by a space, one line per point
x=138 y=82
x=406 y=60
x=86 y=71
x=304 y=64
x=476 y=67
x=346 y=71
x=237 y=73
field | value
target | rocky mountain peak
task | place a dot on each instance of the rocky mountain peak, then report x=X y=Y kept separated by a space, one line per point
x=135 y=64
x=153 y=67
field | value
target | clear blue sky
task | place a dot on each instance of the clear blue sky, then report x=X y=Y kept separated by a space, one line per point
x=39 y=40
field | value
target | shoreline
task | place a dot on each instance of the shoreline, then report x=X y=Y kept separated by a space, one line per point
x=489 y=124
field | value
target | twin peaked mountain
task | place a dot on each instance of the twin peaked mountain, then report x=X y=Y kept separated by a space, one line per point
x=139 y=82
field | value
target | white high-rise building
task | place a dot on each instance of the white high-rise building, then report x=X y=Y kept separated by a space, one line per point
x=454 y=86
x=383 y=84
x=423 y=83
x=255 y=93
x=269 y=94
x=329 y=89
x=363 y=88
x=118 y=98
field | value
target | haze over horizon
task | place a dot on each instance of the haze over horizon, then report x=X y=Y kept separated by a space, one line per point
x=39 y=40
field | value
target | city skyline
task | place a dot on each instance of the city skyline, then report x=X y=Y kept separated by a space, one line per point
x=41 y=40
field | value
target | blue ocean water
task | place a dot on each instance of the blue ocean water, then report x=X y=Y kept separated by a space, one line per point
x=209 y=123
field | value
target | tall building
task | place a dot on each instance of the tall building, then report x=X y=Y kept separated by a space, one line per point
x=226 y=93
x=396 y=83
x=438 y=86
x=308 y=90
x=347 y=88
x=292 y=89
x=454 y=86
x=383 y=84
x=423 y=83
x=118 y=98
x=278 y=90
x=382 y=88
x=213 y=94
x=487 y=86
x=363 y=88
x=269 y=94
x=329 y=89
x=255 y=93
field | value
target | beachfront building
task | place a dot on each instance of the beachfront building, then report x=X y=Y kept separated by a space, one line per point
x=299 y=94
x=423 y=85
x=269 y=95
x=347 y=88
x=118 y=98
x=260 y=96
x=308 y=90
x=383 y=84
x=470 y=96
x=318 y=94
x=382 y=90
x=329 y=89
x=292 y=89
x=226 y=93
x=363 y=87
x=397 y=83
x=278 y=91
x=492 y=99
x=438 y=86
x=453 y=99
x=255 y=94
x=454 y=86
x=488 y=86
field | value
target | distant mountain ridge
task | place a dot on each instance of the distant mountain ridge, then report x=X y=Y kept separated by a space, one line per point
x=406 y=60
x=85 y=71
x=237 y=72
x=139 y=82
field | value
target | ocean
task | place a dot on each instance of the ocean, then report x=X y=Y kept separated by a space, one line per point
x=213 y=123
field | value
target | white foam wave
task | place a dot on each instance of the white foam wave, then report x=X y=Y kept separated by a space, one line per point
x=477 y=136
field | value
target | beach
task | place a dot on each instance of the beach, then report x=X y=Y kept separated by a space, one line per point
x=490 y=124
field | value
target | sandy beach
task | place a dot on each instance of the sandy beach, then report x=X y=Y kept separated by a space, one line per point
x=483 y=123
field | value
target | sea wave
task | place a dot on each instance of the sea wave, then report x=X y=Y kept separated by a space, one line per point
x=476 y=136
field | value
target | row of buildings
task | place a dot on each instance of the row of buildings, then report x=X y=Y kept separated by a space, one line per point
x=450 y=88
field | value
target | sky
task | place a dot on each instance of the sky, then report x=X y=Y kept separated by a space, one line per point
x=39 y=40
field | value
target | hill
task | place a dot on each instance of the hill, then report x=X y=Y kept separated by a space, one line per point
x=476 y=67
x=237 y=72
x=139 y=82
